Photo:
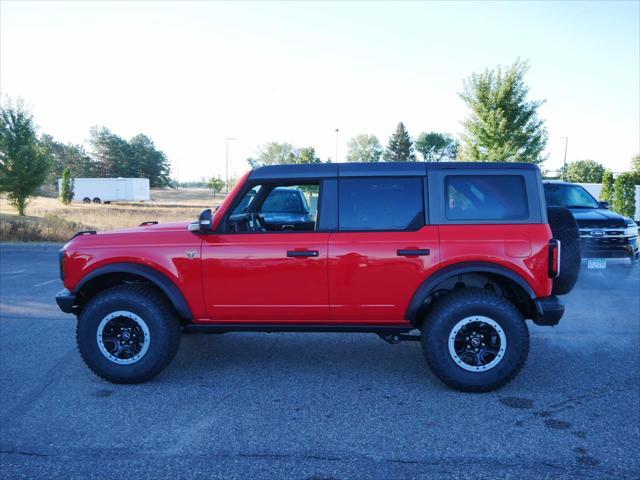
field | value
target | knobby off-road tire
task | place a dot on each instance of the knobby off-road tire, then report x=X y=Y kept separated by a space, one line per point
x=564 y=228
x=481 y=308
x=126 y=305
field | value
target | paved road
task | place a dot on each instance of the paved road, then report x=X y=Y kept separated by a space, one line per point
x=315 y=406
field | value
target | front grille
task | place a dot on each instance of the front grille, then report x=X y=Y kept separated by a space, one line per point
x=604 y=241
x=591 y=224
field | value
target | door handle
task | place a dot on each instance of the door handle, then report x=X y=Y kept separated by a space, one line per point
x=413 y=252
x=302 y=253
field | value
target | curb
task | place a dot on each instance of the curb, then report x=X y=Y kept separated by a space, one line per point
x=8 y=247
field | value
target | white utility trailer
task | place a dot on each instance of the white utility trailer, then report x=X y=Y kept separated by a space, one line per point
x=104 y=190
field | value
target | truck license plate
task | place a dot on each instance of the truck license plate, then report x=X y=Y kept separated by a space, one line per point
x=596 y=263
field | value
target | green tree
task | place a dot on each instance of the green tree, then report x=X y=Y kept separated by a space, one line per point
x=306 y=155
x=216 y=184
x=23 y=161
x=364 y=148
x=435 y=147
x=147 y=161
x=624 y=200
x=66 y=187
x=503 y=125
x=635 y=167
x=70 y=156
x=137 y=158
x=400 y=148
x=272 y=153
x=608 y=188
x=584 y=171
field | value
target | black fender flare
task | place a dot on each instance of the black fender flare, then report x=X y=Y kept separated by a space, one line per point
x=157 y=278
x=429 y=285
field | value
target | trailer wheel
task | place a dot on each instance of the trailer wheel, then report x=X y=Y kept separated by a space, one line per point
x=96 y=200
x=86 y=200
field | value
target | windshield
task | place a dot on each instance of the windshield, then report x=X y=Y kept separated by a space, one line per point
x=570 y=196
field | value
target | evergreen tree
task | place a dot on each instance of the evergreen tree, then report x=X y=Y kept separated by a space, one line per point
x=24 y=164
x=503 y=125
x=66 y=189
x=606 y=194
x=400 y=148
x=624 y=199
x=436 y=146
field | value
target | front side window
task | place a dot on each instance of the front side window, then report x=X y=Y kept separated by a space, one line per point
x=276 y=208
x=486 y=197
x=380 y=204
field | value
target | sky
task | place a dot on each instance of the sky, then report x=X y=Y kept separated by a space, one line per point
x=192 y=74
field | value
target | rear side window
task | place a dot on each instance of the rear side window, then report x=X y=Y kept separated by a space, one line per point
x=380 y=204
x=486 y=197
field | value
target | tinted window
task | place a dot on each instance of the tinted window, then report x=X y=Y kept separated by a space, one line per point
x=570 y=196
x=247 y=199
x=285 y=200
x=486 y=197
x=380 y=204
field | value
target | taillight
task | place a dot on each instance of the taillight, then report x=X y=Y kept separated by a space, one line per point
x=554 y=258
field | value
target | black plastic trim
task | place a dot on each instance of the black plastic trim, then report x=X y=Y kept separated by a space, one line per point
x=158 y=279
x=432 y=282
x=413 y=253
x=549 y=311
x=286 y=327
x=302 y=253
x=83 y=232
x=66 y=300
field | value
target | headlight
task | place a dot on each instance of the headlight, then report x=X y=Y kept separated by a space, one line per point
x=631 y=230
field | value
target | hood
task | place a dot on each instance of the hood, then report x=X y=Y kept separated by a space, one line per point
x=598 y=218
x=159 y=227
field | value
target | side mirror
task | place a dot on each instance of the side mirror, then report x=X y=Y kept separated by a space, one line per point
x=603 y=204
x=205 y=221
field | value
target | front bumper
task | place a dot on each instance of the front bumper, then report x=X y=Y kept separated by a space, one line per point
x=613 y=247
x=66 y=301
x=549 y=311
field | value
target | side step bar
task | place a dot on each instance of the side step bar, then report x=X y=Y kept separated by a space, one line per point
x=387 y=330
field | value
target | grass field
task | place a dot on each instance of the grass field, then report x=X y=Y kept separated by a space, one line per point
x=48 y=220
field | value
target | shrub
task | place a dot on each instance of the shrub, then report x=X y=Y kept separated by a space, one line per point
x=584 y=171
x=624 y=201
x=606 y=194
x=66 y=189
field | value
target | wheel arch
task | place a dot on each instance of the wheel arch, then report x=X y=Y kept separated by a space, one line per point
x=501 y=275
x=118 y=273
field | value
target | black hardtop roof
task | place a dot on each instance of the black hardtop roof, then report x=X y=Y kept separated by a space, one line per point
x=381 y=169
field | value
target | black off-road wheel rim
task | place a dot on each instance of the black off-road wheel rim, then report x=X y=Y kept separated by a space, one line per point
x=123 y=337
x=477 y=343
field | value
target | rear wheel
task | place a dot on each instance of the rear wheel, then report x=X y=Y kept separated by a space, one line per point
x=128 y=333
x=564 y=228
x=474 y=340
x=96 y=200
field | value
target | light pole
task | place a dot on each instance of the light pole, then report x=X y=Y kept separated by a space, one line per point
x=564 y=163
x=226 y=166
x=337 y=130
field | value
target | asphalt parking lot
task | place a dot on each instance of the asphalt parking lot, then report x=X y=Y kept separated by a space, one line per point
x=315 y=406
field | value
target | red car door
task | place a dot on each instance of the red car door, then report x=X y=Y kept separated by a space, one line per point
x=266 y=277
x=382 y=251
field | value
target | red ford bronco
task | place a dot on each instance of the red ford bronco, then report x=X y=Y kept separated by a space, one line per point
x=461 y=252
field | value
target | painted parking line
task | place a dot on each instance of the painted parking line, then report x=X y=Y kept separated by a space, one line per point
x=45 y=283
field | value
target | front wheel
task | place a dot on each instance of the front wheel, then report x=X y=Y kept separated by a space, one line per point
x=475 y=340
x=128 y=333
